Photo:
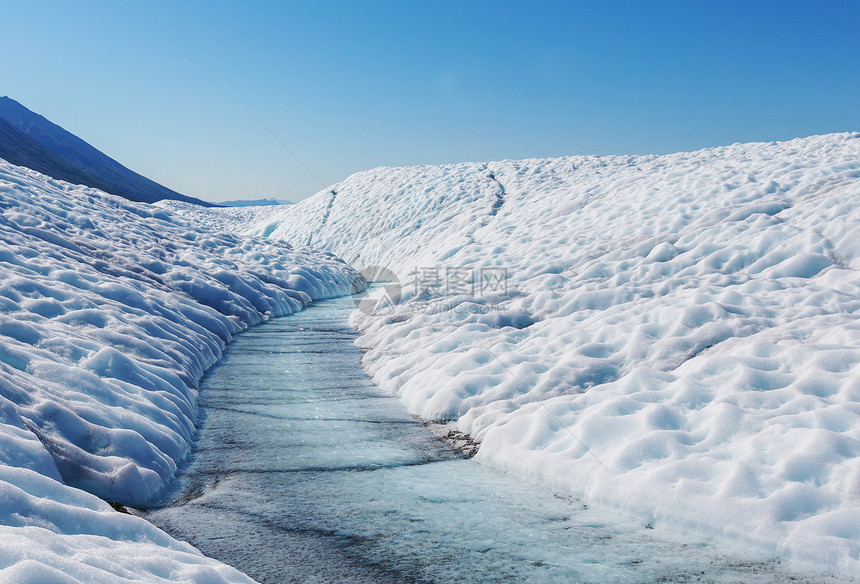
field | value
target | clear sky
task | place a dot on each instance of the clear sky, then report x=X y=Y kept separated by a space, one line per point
x=171 y=89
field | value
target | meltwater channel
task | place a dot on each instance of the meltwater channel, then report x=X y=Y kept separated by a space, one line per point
x=304 y=471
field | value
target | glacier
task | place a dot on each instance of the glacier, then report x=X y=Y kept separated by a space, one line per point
x=110 y=312
x=677 y=335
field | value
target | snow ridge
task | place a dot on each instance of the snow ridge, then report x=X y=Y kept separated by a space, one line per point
x=326 y=213
x=678 y=337
x=110 y=312
x=500 y=196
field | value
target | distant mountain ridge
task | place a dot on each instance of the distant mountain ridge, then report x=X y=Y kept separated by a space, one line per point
x=31 y=140
x=256 y=202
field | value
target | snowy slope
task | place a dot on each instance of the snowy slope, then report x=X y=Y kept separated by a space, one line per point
x=110 y=311
x=679 y=336
x=228 y=219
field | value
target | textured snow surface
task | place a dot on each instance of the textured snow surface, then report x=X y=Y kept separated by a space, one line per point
x=679 y=338
x=226 y=219
x=110 y=311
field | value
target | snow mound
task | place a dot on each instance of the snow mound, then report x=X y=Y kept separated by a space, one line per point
x=225 y=219
x=676 y=335
x=110 y=312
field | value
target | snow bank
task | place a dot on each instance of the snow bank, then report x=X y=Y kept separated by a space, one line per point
x=677 y=335
x=110 y=311
x=225 y=219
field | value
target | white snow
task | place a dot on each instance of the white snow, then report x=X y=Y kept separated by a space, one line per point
x=110 y=312
x=225 y=219
x=679 y=336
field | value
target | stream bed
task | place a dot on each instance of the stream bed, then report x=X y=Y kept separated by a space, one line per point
x=304 y=471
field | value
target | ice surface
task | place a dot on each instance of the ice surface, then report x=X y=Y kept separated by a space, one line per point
x=110 y=312
x=306 y=472
x=679 y=337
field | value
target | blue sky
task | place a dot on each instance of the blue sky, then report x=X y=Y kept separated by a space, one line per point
x=172 y=89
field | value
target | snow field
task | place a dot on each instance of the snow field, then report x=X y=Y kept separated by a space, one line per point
x=679 y=336
x=52 y=533
x=110 y=312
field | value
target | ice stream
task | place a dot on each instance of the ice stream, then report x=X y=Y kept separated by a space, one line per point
x=305 y=472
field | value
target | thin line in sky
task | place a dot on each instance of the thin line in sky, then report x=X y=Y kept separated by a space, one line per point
x=584 y=136
x=287 y=149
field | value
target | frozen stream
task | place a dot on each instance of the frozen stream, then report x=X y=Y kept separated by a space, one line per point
x=305 y=472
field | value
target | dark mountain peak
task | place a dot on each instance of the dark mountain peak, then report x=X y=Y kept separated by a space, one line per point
x=92 y=167
x=19 y=116
x=20 y=149
x=12 y=105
